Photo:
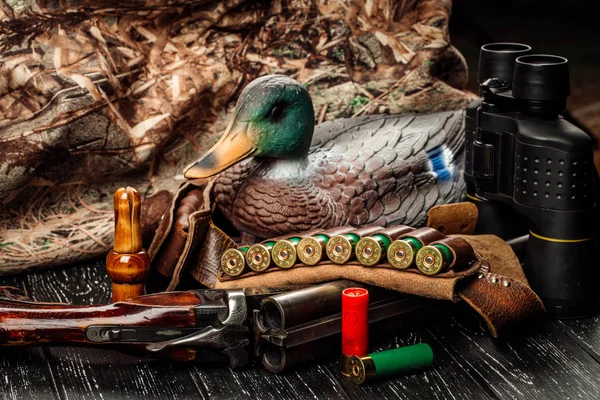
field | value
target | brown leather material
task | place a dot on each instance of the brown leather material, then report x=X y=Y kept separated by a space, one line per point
x=340 y=230
x=199 y=223
x=499 y=255
x=207 y=264
x=366 y=230
x=166 y=222
x=169 y=251
x=153 y=208
x=172 y=249
x=299 y=234
x=503 y=302
x=411 y=281
x=424 y=235
x=462 y=252
x=456 y=218
x=395 y=231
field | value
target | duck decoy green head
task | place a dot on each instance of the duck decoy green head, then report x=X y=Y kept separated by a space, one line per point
x=273 y=118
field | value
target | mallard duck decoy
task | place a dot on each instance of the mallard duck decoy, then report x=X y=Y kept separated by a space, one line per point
x=279 y=173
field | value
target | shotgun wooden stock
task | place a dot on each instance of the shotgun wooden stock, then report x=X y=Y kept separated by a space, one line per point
x=24 y=322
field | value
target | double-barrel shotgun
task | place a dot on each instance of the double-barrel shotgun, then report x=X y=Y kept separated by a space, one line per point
x=281 y=328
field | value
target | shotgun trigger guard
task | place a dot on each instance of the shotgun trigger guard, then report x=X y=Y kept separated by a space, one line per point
x=227 y=333
x=238 y=356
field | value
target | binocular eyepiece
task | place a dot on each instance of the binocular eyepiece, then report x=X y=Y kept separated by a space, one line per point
x=497 y=60
x=539 y=82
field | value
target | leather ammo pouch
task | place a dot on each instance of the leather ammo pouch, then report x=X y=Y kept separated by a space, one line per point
x=187 y=249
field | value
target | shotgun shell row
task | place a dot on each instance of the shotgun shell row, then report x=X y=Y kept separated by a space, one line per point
x=355 y=325
x=390 y=363
x=404 y=247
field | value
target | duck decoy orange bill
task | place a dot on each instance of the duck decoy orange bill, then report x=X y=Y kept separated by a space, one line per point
x=234 y=146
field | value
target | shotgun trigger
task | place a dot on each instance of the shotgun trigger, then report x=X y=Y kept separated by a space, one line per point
x=238 y=356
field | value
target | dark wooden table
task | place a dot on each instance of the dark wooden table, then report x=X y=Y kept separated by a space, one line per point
x=557 y=360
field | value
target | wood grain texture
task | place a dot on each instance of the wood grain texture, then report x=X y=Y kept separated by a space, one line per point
x=555 y=360
x=128 y=265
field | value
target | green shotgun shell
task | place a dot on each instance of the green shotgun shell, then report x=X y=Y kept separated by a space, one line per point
x=433 y=259
x=258 y=256
x=401 y=253
x=340 y=247
x=390 y=362
x=284 y=252
x=311 y=249
x=233 y=261
x=369 y=250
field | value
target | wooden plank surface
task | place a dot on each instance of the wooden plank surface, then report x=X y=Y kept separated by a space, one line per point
x=559 y=359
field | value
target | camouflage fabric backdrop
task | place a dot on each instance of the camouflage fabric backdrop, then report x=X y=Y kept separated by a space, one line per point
x=99 y=94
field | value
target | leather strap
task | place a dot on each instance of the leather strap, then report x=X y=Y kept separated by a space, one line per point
x=395 y=231
x=367 y=230
x=501 y=301
x=456 y=218
x=461 y=250
x=424 y=235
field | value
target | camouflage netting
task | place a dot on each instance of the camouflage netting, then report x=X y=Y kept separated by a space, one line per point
x=97 y=94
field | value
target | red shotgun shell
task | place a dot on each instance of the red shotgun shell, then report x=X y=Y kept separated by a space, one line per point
x=355 y=325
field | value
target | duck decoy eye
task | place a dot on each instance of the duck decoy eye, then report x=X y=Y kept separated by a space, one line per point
x=276 y=112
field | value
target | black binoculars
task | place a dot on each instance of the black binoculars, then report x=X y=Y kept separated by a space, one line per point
x=527 y=168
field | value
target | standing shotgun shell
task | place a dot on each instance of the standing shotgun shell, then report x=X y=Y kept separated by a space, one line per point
x=258 y=256
x=127 y=264
x=355 y=325
x=370 y=250
x=284 y=252
x=401 y=253
x=340 y=247
x=444 y=254
x=311 y=250
x=233 y=261
x=390 y=362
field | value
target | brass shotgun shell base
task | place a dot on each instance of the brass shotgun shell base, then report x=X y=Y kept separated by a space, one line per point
x=284 y=254
x=400 y=254
x=258 y=257
x=368 y=251
x=345 y=365
x=233 y=262
x=339 y=249
x=361 y=369
x=310 y=251
x=430 y=260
